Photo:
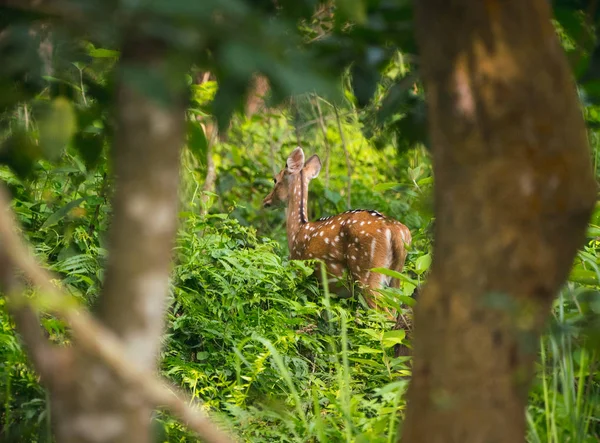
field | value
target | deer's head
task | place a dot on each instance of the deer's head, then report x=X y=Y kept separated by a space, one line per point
x=294 y=165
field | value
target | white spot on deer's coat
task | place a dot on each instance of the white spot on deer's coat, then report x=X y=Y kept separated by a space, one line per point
x=337 y=238
x=353 y=257
x=373 y=244
x=321 y=233
x=341 y=234
x=327 y=240
x=404 y=235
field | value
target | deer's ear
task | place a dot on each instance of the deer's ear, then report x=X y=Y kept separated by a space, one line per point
x=295 y=161
x=312 y=167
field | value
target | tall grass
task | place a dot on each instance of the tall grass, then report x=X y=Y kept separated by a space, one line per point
x=565 y=399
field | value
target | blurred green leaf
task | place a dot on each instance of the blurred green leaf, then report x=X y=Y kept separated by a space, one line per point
x=57 y=126
x=62 y=213
x=197 y=142
x=380 y=187
x=422 y=264
x=583 y=276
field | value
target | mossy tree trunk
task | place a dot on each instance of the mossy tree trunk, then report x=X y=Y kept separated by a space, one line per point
x=514 y=189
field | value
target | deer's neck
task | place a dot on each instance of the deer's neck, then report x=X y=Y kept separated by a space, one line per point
x=297 y=201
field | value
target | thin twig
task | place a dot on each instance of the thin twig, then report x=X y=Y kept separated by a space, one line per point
x=95 y=338
x=296 y=112
x=325 y=140
x=271 y=132
x=347 y=154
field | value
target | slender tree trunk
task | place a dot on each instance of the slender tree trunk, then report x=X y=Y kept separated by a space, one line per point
x=514 y=190
x=89 y=404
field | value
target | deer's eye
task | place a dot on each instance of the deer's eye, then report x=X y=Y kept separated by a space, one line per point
x=275 y=181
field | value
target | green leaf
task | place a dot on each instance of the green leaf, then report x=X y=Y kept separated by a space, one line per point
x=593 y=231
x=352 y=10
x=90 y=147
x=62 y=212
x=406 y=300
x=365 y=362
x=425 y=181
x=364 y=82
x=384 y=186
x=395 y=337
x=392 y=387
x=57 y=126
x=366 y=350
x=20 y=153
x=584 y=276
x=422 y=264
x=394 y=274
x=372 y=333
x=197 y=142
x=333 y=197
x=103 y=53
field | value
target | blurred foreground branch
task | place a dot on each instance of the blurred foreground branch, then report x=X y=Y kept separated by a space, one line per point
x=87 y=331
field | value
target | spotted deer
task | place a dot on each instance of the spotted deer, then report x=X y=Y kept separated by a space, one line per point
x=353 y=242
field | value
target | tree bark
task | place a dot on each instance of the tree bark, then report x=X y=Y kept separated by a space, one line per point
x=513 y=193
x=89 y=404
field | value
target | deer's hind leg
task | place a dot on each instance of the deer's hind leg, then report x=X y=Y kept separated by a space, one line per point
x=374 y=254
x=403 y=319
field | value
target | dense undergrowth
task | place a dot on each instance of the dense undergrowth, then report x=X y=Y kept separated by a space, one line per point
x=249 y=333
x=253 y=337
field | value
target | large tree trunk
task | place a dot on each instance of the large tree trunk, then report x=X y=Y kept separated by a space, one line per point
x=514 y=190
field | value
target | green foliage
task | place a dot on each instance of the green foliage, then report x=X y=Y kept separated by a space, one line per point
x=250 y=333
x=23 y=410
x=251 y=336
